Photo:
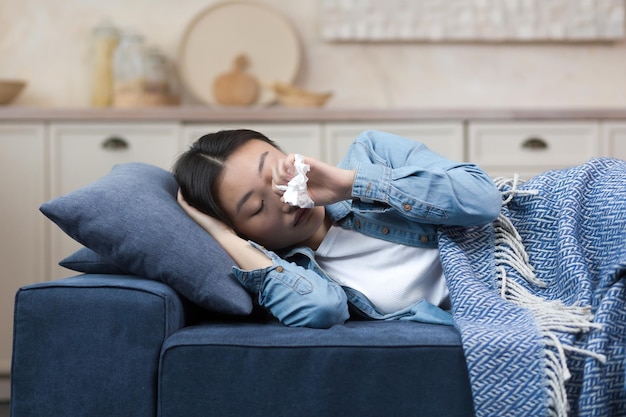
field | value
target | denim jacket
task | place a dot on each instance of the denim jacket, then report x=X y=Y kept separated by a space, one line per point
x=402 y=192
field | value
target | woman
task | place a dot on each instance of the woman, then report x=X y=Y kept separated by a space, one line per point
x=370 y=240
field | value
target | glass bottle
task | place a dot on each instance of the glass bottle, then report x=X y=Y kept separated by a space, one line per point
x=129 y=71
x=105 y=40
x=156 y=78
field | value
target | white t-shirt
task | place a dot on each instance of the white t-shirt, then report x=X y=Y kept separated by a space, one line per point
x=391 y=275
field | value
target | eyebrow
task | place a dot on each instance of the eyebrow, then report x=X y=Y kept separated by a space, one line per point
x=262 y=161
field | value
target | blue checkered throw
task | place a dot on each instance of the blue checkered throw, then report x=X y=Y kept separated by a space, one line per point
x=539 y=295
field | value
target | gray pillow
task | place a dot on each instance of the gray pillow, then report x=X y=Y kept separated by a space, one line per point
x=130 y=218
x=87 y=261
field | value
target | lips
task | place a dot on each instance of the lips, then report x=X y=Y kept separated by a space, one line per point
x=301 y=215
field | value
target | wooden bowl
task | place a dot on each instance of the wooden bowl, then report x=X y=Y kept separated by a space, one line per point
x=291 y=96
x=10 y=89
x=297 y=100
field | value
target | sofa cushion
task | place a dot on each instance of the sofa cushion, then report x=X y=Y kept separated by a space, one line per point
x=362 y=368
x=87 y=261
x=131 y=218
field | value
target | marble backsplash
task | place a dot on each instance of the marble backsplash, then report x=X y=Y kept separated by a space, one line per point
x=472 y=20
x=46 y=42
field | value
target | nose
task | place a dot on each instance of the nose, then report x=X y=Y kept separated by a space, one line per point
x=286 y=208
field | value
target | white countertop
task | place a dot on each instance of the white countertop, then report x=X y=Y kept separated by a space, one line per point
x=276 y=113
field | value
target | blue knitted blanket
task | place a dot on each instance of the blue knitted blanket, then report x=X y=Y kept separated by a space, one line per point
x=539 y=295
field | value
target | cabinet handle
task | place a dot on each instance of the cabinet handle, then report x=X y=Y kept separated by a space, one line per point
x=535 y=144
x=115 y=143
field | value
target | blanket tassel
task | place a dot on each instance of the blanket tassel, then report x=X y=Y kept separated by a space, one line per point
x=552 y=316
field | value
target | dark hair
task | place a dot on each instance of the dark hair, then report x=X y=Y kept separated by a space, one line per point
x=197 y=170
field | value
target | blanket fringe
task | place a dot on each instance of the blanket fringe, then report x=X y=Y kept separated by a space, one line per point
x=552 y=316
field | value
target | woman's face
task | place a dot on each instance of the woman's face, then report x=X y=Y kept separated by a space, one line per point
x=245 y=192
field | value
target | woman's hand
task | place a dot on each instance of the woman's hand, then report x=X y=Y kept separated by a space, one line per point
x=209 y=223
x=327 y=184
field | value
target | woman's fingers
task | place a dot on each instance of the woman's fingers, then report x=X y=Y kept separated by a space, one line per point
x=282 y=173
x=181 y=201
x=191 y=211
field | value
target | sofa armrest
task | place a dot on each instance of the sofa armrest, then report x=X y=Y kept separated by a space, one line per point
x=90 y=344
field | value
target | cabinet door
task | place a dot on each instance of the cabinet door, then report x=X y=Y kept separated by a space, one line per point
x=443 y=138
x=614 y=140
x=82 y=152
x=302 y=138
x=21 y=225
x=528 y=148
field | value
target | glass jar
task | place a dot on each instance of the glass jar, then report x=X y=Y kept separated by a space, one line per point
x=129 y=71
x=157 y=88
x=105 y=40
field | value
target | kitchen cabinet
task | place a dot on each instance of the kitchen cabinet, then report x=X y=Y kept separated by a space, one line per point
x=614 y=140
x=528 y=148
x=80 y=153
x=22 y=228
x=445 y=138
x=330 y=141
x=47 y=153
x=303 y=138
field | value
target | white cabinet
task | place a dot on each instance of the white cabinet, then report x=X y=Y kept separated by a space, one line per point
x=303 y=138
x=330 y=141
x=614 y=140
x=528 y=148
x=22 y=172
x=445 y=138
x=80 y=153
x=41 y=161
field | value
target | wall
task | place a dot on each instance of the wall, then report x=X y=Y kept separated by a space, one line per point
x=47 y=43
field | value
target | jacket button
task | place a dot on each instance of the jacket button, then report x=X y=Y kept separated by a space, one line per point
x=424 y=239
x=385 y=231
x=280 y=269
x=407 y=207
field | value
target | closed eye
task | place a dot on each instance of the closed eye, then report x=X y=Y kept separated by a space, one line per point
x=260 y=208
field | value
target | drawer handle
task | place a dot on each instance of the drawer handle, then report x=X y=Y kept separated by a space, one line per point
x=535 y=144
x=115 y=144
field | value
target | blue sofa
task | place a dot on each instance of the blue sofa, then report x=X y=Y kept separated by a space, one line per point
x=114 y=345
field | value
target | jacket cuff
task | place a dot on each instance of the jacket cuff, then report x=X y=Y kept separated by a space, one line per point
x=253 y=279
x=370 y=189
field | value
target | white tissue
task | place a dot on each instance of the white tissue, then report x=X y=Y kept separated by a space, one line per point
x=296 y=190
